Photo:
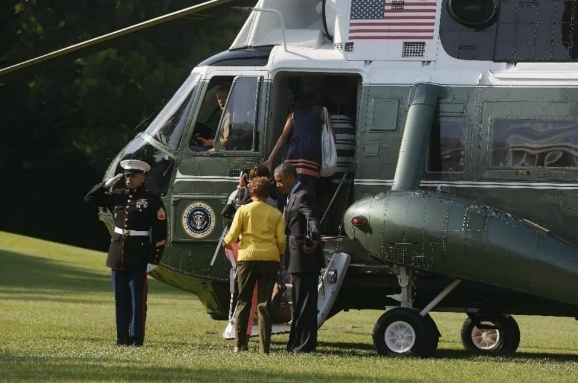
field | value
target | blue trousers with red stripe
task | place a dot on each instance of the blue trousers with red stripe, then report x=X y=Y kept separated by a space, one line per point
x=130 y=293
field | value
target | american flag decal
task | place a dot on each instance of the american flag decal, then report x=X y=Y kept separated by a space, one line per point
x=392 y=20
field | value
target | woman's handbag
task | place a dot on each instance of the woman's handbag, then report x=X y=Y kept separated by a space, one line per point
x=280 y=310
x=328 y=149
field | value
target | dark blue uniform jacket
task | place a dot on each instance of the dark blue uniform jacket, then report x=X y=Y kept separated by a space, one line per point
x=133 y=210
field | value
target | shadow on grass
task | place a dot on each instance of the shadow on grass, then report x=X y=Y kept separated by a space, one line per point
x=30 y=272
x=348 y=349
x=25 y=275
x=522 y=357
x=71 y=369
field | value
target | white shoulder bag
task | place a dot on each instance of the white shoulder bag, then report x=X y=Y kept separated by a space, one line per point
x=328 y=149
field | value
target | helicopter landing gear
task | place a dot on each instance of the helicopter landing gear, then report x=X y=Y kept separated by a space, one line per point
x=491 y=334
x=402 y=331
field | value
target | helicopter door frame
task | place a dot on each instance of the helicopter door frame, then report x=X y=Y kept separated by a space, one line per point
x=240 y=96
x=260 y=112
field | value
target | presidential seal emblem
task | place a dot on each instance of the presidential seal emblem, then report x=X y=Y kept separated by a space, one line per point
x=198 y=220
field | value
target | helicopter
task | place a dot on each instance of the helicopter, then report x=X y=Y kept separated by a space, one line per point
x=461 y=192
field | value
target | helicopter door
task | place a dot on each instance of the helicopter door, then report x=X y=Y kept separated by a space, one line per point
x=209 y=167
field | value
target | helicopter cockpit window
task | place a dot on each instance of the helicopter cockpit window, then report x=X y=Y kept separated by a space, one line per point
x=531 y=143
x=169 y=125
x=447 y=150
x=237 y=128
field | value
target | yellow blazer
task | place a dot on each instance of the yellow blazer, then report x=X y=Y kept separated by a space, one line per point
x=261 y=230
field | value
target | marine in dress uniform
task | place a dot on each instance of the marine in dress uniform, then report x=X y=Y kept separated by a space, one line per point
x=136 y=245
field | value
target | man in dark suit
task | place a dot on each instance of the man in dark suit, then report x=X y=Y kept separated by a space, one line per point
x=303 y=258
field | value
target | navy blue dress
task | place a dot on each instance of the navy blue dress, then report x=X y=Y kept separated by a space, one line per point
x=304 y=146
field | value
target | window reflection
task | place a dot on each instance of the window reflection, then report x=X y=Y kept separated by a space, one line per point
x=447 y=150
x=169 y=125
x=162 y=165
x=240 y=114
x=528 y=143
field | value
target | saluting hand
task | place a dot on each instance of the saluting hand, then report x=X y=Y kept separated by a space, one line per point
x=112 y=181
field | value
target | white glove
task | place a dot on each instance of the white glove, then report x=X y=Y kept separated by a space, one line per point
x=112 y=181
x=151 y=267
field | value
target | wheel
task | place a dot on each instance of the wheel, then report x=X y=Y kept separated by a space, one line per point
x=402 y=331
x=498 y=335
x=514 y=336
x=433 y=330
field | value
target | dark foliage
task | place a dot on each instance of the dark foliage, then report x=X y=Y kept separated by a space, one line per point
x=62 y=122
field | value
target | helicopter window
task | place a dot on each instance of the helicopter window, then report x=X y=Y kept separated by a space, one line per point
x=531 y=143
x=169 y=125
x=447 y=147
x=473 y=13
x=239 y=116
x=162 y=165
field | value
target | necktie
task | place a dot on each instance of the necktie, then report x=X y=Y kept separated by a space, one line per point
x=286 y=204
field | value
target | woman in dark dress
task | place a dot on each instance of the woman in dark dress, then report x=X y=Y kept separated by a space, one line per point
x=302 y=133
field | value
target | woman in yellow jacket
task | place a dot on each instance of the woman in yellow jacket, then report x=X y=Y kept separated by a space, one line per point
x=261 y=231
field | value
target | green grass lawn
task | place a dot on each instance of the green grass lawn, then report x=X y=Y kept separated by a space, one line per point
x=57 y=324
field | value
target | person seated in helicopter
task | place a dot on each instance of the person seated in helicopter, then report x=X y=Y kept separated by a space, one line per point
x=224 y=129
x=201 y=133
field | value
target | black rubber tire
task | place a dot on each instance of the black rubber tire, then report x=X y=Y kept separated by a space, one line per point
x=513 y=336
x=435 y=333
x=403 y=332
x=504 y=339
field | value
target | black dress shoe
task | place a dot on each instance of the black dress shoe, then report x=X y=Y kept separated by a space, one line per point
x=122 y=342
x=303 y=351
x=136 y=342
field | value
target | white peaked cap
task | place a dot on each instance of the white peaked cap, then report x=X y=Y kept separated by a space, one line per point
x=135 y=166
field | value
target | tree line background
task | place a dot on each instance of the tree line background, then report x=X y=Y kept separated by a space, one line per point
x=63 y=122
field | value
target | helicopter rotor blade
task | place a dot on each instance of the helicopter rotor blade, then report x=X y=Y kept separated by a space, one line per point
x=85 y=45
